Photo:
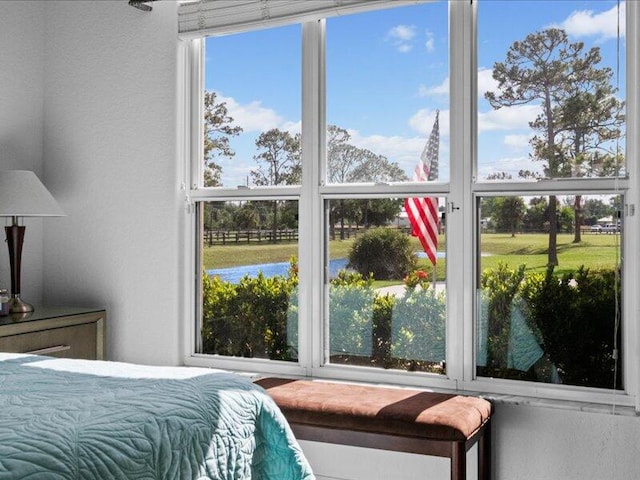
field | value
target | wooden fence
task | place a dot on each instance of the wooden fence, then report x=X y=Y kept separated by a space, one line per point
x=224 y=237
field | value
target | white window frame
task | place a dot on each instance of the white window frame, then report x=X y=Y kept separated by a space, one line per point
x=461 y=234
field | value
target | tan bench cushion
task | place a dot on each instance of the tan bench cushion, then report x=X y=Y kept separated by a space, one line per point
x=395 y=411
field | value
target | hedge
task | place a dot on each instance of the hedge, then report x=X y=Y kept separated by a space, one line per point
x=539 y=327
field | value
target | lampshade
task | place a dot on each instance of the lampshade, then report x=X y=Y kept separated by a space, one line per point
x=22 y=194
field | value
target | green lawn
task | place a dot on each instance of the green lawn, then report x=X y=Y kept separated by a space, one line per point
x=595 y=251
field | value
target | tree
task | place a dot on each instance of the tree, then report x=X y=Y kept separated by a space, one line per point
x=594 y=209
x=377 y=168
x=373 y=212
x=499 y=176
x=218 y=127
x=566 y=218
x=247 y=216
x=342 y=157
x=279 y=163
x=591 y=120
x=537 y=216
x=544 y=68
x=350 y=164
x=509 y=212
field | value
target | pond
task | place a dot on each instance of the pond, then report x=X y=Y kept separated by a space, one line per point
x=234 y=274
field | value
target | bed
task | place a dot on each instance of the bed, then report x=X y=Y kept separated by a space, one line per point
x=82 y=419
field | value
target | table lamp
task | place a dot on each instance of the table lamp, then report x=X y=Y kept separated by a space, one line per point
x=22 y=194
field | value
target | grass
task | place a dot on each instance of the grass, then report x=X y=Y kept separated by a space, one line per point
x=595 y=251
x=235 y=255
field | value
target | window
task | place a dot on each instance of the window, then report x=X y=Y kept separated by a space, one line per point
x=416 y=193
x=252 y=126
x=550 y=107
x=386 y=299
x=549 y=325
x=248 y=253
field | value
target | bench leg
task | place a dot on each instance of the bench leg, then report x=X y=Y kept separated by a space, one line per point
x=458 y=461
x=484 y=453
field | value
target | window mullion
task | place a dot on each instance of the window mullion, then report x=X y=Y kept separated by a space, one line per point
x=190 y=56
x=631 y=303
x=458 y=238
x=311 y=217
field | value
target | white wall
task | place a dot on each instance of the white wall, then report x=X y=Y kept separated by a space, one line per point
x=21 y=96
x=108 y=73
x=110 y=160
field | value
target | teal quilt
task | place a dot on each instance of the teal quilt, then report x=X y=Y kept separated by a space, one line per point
x=63 y=419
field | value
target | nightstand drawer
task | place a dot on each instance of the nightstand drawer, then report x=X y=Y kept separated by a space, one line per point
x=76 y=341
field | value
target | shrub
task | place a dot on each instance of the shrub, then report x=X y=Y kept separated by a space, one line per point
x=385 y=253
x=248 y=319
x=500 y=287
x=418 y=323
x=550 y=328
x=384 y=330
x=576 y=314
x=351 y=301
x=382 y=314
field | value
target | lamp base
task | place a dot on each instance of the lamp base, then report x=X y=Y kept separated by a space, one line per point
x=16 y=305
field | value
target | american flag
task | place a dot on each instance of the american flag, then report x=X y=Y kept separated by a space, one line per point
x=423 y=212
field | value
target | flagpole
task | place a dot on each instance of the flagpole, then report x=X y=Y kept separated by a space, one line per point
x=434 y=279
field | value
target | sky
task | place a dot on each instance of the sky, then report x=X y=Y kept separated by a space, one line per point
x=388 y=73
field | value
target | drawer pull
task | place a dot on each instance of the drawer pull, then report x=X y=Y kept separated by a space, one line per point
x=48 y=350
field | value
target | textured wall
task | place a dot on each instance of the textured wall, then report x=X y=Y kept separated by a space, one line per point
x=110 y=159
x=21 y=87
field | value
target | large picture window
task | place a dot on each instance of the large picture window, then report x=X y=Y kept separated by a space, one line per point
x=417 y=193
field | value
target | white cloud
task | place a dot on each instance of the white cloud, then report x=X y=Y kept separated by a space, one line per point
x=292 y=127
x=391 y=147
x=422 y=122
x=511 y=165
x=508 y=118
x=252 y=117
x=402 y=33
x=486 y=83
x=442 y=89
x=604 y=25
x=429 y=42
x=401 y=37
x=405 y=151
x=518 y=142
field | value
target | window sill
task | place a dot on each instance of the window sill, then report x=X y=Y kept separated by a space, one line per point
x=572 y=405
x=619 y=404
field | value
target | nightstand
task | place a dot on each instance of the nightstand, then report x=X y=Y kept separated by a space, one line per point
x=55 y=331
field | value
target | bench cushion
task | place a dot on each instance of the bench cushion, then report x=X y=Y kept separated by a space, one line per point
x=385 y=410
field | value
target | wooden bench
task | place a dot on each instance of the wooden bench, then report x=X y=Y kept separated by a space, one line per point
x=394 y=419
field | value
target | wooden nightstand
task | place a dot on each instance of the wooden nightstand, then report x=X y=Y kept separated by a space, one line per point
x=55 y=331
